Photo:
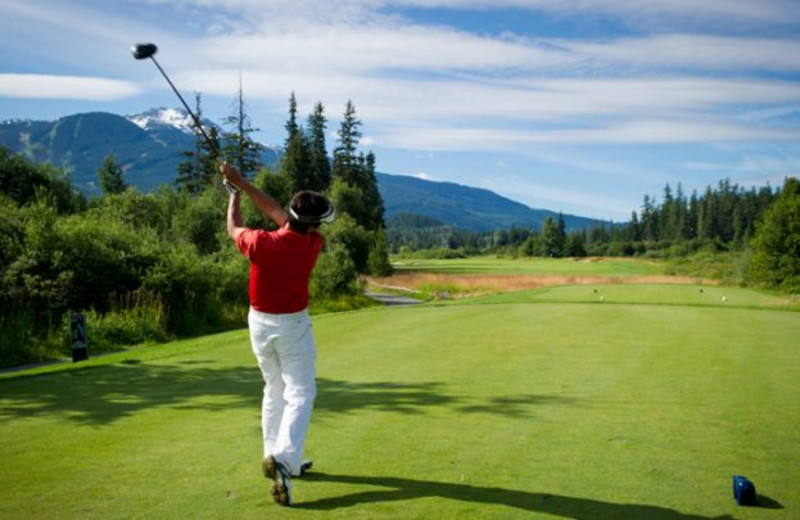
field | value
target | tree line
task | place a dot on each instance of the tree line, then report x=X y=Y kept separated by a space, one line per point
x=153 y=266
x=761 y=223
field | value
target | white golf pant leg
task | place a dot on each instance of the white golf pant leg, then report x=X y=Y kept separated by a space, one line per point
x=284 y=347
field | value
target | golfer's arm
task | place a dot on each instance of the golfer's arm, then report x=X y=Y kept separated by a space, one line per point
x=268 y=206
x=234 y=218
x=265 y=204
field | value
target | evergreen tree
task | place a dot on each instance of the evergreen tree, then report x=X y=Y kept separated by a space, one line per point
x=776 y=245
x=345 y=160
x=198 y=170
x=561 y=235
x=649 y=219
x=240 y=149
x=320 y=165
x=110 y=176
x=292 y=128
x=296 y=162
x=551 y=245
x=372 y=197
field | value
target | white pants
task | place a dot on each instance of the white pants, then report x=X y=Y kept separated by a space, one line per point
x=284 y=347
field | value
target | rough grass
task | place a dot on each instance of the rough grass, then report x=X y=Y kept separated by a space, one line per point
x=545 y=406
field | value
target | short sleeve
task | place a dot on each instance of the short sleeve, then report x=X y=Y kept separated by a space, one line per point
x=246 y=242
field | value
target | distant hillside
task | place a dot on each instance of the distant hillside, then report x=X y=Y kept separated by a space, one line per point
x=464 y=207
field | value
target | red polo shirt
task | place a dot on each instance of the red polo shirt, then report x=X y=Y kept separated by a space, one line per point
x=281 y=262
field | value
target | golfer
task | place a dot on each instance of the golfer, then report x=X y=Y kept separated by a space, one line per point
x=281 y=262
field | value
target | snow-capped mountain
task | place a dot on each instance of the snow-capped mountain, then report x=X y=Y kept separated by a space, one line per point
x=174 y=117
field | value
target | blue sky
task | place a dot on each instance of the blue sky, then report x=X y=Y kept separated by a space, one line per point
x=580 y=106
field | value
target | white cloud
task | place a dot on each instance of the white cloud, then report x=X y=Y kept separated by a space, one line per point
x=635 y=132
x=40 y=86
x=690 y=51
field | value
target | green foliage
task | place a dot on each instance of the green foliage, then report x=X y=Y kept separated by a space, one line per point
x=200 y=293
x=12 y=232
x=296 y=162
x=201 y=221
x=110 y=176
x=334 y=275
x=139 y=317
x=134 y=209
x=356 y=240
x=101 y=261
x=378 y=261
x=347 y=199
x=320 y=165
x=278 y=186
x=726 y=267
x=24 y=182
x=776 y=245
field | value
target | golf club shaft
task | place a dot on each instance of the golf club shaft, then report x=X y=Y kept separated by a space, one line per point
x=198 y=124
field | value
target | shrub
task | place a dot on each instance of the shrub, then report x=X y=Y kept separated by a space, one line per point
x=137 y=317
x=334 y=275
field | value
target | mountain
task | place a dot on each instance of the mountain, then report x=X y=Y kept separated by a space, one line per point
x=148 y=146
x=464 y=207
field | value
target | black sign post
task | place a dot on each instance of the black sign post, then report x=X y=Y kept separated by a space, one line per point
x=80 y=349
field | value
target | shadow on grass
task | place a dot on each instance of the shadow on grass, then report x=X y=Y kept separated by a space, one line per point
x=765 y=502
x=103 y=394
x=399 y=489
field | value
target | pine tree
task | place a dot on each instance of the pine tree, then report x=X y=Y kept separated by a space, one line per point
x=372 y=195
x=776 y=245
x=292 y=128
x=551 y=245
x=345 y=161
x=561 y=235
x=320 y=165
x=296 y=163
x=199 y=169
x=110 y=176
x=240 y=149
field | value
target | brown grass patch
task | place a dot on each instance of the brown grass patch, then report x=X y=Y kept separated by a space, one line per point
x=474 y=284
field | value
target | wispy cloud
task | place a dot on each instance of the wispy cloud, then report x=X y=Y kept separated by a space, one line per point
x=64 y=87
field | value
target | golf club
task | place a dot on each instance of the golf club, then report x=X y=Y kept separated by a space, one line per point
x=143 y=51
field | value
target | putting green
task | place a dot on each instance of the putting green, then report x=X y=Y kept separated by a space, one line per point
x=524 y=409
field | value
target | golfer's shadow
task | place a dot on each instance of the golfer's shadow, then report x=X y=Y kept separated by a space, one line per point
x=398 y=489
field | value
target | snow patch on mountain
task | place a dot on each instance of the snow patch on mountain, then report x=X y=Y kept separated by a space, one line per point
x=173 y=117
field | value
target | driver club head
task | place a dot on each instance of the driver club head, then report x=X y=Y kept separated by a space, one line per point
x=143 y=51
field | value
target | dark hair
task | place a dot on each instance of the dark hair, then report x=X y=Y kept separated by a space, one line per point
x=308 y=209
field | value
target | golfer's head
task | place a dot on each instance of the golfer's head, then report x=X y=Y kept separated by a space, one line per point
x=309 y=209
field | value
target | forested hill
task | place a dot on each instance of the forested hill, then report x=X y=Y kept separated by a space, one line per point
x=464 y=207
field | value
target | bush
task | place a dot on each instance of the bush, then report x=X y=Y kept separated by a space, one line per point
x=201 y=221
x=356 y=240
x=334 y=275
x=137 y=318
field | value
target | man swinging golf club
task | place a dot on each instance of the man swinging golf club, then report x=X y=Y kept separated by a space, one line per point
x=281 y=262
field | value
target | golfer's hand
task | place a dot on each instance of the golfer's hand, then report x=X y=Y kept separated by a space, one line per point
x=231 y=174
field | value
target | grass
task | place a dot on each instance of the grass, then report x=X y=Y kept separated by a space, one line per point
x=545 y=404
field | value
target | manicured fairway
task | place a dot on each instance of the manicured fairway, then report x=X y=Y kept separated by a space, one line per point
x=533 y=408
